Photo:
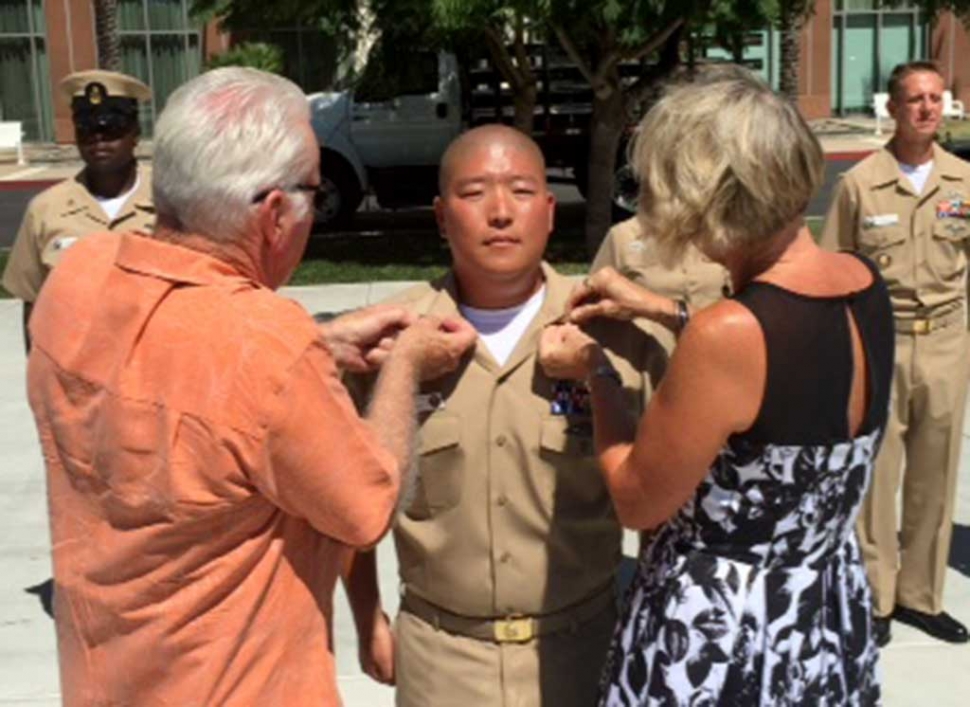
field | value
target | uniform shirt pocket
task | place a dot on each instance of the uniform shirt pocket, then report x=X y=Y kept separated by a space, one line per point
x=572 y=478
x=885 y=246
x=946 y=252
x=440 y=464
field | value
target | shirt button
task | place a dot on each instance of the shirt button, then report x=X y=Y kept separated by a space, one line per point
x=502 y=500
x=505 y=558
x=501 y=440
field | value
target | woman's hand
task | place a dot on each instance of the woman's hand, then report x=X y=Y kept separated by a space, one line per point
x=566 y=352
x=606 y=293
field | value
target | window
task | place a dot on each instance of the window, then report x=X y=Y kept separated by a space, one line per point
x=160 y=45
x=24 y=69
x=868 y=40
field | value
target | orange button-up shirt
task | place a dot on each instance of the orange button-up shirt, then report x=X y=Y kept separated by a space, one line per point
x=205 y=470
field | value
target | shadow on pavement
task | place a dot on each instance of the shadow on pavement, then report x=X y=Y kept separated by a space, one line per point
x=960 y=549
x=45 y=592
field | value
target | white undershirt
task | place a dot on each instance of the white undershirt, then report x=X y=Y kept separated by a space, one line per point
x=917 y=174
x=112 y=206
x=501 y=329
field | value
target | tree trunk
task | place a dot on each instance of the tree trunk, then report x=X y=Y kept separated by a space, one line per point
x=106 y=34
x=518 y=73
x=790 y=30
x=605 y=131
x=524 y=97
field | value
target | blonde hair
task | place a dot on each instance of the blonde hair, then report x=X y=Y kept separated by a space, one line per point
x=723 y=164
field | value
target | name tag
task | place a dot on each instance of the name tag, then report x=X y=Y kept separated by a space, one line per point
x=880 y=220
x=429 y=402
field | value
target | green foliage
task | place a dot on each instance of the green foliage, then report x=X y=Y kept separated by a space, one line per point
x=339 y=17
x=730 y=21
x=256 y=55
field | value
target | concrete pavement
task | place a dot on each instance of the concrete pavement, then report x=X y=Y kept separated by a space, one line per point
x=916 y=670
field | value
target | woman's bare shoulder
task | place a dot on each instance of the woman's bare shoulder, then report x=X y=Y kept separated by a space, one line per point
x=726 y=331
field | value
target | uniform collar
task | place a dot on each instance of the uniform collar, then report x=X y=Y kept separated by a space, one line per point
x=81 y=199
x=167 y=261
x=558 y=288
x=887 y=170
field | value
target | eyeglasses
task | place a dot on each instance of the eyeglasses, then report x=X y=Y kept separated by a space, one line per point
x=317 y=190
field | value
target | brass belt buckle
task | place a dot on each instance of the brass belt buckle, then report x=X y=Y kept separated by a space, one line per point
x=921 y=326
x=514 y=629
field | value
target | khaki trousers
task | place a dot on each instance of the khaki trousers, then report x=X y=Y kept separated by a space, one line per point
x=906 y=563
x=438 y=669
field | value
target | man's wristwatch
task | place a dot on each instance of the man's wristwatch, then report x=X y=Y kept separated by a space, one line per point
x=683 y=315
x=604 y=370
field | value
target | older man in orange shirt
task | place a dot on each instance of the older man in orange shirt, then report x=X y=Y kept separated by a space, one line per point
x=206 y=470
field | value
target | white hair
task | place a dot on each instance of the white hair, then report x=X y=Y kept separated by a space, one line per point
x=225 y=137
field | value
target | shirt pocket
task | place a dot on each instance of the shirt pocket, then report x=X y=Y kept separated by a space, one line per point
x=571 y=477
x=947 y=249
x=133 y=442
x=440 y=465
x=885 y=246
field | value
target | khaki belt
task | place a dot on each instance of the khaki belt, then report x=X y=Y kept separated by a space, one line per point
x=510 y=629
x=926 y=325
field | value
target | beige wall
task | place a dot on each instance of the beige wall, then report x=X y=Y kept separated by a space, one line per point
x=815 y=70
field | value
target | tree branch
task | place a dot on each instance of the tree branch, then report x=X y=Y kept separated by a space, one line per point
x=669 y=60
x=655 y=41
x=522 y=58
x=501 y=57
x=570 y=48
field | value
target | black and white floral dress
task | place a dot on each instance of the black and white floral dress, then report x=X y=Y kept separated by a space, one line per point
x=755 y=593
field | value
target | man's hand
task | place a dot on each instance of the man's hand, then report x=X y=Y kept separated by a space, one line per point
x=567 y=352
x=435 y=346
x=606 y=293
x=375 y=649
x=360 y=341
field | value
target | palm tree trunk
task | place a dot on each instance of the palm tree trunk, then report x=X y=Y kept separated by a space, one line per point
x=106 y=33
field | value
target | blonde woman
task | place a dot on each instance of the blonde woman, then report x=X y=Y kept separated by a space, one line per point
x=754 y=454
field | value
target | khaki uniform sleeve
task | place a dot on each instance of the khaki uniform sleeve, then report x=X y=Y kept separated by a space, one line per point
x=325 y=464
x=841 y=222
x=607 y=254
x=25 y=271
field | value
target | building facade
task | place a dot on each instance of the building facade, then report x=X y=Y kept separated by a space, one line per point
x=848 y=48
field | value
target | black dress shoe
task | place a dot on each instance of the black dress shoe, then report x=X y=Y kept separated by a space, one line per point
x=880 y=630
x=942 y=625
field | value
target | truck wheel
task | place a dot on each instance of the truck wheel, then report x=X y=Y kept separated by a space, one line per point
x=340 y=191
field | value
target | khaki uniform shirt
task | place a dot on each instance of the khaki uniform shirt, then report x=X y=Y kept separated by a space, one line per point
x=696 y=279
x=919 y=242
x=511 y=514
x=56 y=218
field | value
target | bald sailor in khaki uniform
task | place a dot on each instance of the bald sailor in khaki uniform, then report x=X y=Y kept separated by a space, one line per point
x=695 y=280
x=508 y=550
x=109 y=194
x=907 y=207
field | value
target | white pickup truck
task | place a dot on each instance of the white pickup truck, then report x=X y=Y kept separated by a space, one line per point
x=388 y=134
x=389 y=144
